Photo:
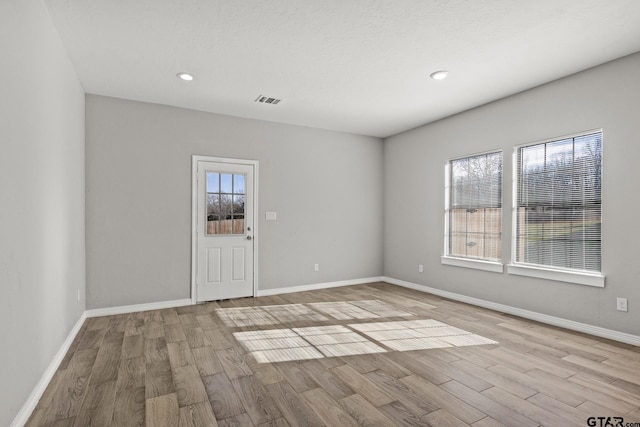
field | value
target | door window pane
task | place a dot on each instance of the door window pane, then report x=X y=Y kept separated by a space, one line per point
x=226 y=185
x=225 y=225
x=238 y=184
x=213 y=203
x=225 y=203
x=213 y=182
x=238 y=204
x=213 y=224
x=238 y=224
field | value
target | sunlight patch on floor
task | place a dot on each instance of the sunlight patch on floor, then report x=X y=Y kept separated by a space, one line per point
x=286 y=313
x=246 y=316
x=315 y=342
x=419 y=335
x=368 y=309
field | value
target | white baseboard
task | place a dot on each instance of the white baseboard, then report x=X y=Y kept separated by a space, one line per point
x=108 y=311
x=25 y=412
x=531 y=315
x=317 y=286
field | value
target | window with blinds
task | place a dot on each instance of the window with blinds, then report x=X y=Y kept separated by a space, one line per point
x=474 y=207
x=559 y=203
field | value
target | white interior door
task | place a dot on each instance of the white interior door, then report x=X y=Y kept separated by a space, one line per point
x=224 y=249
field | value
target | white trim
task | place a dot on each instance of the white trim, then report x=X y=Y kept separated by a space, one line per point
x=532 y=315
x=447 y=201
x=560 y=138
x=477 y=154
x=478 y=264
x=256 y=224
x=577 y=277
x=318 y=286
x=32 y=401
x=194 y=212
x=514 y=203
x=108 y=311
x=194 y=225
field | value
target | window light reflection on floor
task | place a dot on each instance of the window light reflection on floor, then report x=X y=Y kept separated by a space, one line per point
x=368 y=309
x=285 y=313
x=337 y=340
x=246 y=316
x=267 y=315
x=419 y=335
x=315 y=342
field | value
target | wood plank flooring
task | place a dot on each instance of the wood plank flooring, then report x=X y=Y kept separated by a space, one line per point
x=185 y=367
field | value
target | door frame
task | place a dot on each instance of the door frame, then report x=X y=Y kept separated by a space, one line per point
x=194 y=216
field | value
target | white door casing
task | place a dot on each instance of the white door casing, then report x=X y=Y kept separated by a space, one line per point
x=224 y=253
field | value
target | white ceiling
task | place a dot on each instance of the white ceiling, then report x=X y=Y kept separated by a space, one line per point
x=359 y=66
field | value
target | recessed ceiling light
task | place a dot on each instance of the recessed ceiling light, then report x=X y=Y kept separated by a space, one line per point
x=185 y=76
x=439 y=75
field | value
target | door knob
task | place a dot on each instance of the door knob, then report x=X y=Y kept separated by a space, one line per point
x=248 y=237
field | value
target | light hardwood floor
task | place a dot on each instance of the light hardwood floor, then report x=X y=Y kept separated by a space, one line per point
x=185 y=366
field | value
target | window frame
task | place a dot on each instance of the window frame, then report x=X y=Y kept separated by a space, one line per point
x=496 y=266
x=548 y=272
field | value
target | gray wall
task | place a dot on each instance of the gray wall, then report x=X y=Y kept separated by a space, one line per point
x=42 y=263
x=606 y=96
x=325 y=186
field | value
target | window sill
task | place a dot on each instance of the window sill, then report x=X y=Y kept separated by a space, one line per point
x=477 y=264
x=580 y=278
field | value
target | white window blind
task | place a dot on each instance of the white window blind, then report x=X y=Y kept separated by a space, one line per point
x=559 y=203
x=474 y=211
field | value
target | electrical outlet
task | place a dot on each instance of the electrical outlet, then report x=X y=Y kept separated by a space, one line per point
x=316 y=267
x=621 y=304
x=420 y=268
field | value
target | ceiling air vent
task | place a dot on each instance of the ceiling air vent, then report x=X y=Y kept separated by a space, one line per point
x=267 y=100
